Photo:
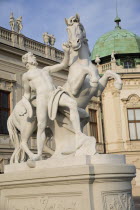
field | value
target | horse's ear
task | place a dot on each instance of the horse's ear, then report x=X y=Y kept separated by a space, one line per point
x=66 y=21
x=77 y=17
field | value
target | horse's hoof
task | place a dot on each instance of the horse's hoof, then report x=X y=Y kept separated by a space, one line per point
x=118 y=85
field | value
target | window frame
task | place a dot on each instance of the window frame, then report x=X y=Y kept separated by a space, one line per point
x=129 y=65
x=93 y=122
x=128 y=59
x=133 y=121
x=5 y=109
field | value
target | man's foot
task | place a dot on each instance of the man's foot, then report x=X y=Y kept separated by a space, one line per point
x=31 y=163
x=35 y=157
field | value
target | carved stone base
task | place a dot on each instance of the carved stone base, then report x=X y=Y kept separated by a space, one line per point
x=105 y=185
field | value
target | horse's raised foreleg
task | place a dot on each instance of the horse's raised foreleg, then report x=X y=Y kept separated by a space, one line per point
x=104 y=79
x=101 y=85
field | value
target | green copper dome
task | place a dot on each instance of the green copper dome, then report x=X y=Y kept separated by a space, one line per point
x=119 y=40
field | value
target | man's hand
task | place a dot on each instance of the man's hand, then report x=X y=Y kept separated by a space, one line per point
x=66 y=47
x=64 y=63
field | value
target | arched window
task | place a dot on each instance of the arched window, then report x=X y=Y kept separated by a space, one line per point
x=132 y=114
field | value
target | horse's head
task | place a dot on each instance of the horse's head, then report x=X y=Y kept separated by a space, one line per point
x=76 y=32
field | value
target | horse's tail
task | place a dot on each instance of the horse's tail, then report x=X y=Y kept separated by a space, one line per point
x=13 y=133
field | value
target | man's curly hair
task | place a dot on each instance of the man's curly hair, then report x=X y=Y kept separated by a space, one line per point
x=25 y=59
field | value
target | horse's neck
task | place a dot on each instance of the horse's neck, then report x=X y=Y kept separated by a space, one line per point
x=83 y=53
x=81 y=56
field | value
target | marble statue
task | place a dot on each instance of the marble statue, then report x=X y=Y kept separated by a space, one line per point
x=52 y=40
x=49 y=39
x=97 y=60
x=75 y=175
x=16 y=24
x=61 y=109
x=48 y=98
x=113 y=56
x=46 y=38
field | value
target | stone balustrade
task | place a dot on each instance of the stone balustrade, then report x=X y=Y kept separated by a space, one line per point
x=5 y=34
x=106 y=66
x=102 y=68
x=22 y=42
x=34 y=45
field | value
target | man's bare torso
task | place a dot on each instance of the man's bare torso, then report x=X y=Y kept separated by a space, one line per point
x=40 y=80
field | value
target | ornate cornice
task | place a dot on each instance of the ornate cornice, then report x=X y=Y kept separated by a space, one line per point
x=131 y=82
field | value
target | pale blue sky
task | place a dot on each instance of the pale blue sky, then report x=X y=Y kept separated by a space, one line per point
x=97 y=16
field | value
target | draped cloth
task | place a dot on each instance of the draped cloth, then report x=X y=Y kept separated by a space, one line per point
x=54 y=102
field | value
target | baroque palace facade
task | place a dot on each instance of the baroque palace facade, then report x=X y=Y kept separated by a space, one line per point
x=114 y=118
x=119 y=50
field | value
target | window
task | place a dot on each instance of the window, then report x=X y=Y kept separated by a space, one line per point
x=4 y=111
x=134 y=123
x=128 y=64
x=93 y=123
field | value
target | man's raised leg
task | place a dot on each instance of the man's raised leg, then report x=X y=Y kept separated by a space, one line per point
x=67 y=101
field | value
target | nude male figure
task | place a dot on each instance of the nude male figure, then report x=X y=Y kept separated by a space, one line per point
x=40 y=81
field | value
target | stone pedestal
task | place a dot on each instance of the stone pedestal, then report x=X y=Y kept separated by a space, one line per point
x=101 y=182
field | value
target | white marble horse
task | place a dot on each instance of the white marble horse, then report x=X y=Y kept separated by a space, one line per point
x=83 y=80
x=82 y=84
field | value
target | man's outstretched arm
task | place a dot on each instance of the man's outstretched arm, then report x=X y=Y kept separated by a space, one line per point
x=64 y=64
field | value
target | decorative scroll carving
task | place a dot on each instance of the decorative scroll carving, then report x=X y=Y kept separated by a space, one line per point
x=45 y=203
x=118 y=201
x=116 y=93
x=6 y=85
x=132 y=101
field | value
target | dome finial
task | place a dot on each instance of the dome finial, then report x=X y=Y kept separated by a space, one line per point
x=117 y=19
